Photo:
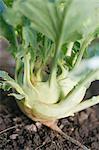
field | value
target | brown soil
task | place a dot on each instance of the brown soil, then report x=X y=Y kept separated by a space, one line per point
x=17 y=132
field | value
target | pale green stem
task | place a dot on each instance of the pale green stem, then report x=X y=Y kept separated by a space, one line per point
x=86 y=104
x=58 y=110
x=58 y=45
x=54 y=63
x=27 y=80
x=27 y=69
x=16 y=87
x=17 y=69
x=82 y=50
x=64 y=71
x=69 y=50
x=31 y=70
x=17 y=61
x=38 y=74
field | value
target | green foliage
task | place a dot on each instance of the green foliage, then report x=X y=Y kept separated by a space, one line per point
x=7 y=31
x=57 y=23
x=9 y=2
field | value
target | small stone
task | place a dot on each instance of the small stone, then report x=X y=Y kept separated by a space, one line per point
x=72 y=129
x=38 y=124
x=71 y=118
x=31 y=128
x=17 y=130
x=1 y=120
x=17 y=120
x=61 y=126
x=83 y=117
x=13 y=136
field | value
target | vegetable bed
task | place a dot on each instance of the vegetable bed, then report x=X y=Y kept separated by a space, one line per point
x=32 y=136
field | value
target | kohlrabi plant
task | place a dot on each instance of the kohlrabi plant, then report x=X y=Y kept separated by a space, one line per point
x=49 y=40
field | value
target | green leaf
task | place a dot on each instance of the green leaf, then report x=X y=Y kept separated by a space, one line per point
x=4 y=75
x=80 y=19
x=70 y=21
x=29 y=37
x=44 y=15
x=9 y=2
x=7 y=32
x=12 y=17
x=59 y=26
x=5 y=86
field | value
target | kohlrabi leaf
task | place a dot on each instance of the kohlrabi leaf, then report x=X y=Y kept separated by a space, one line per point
x=4 y=75
x=7 y=32
x=8 y=2
x=71 y=21
x=46 y=15
x=42 y=13
x=80 y=20
x=5 y=86
x=10 y=18
x=29 y=37
x=9 y=13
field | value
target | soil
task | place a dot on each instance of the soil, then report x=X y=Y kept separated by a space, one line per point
x=17 y=132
